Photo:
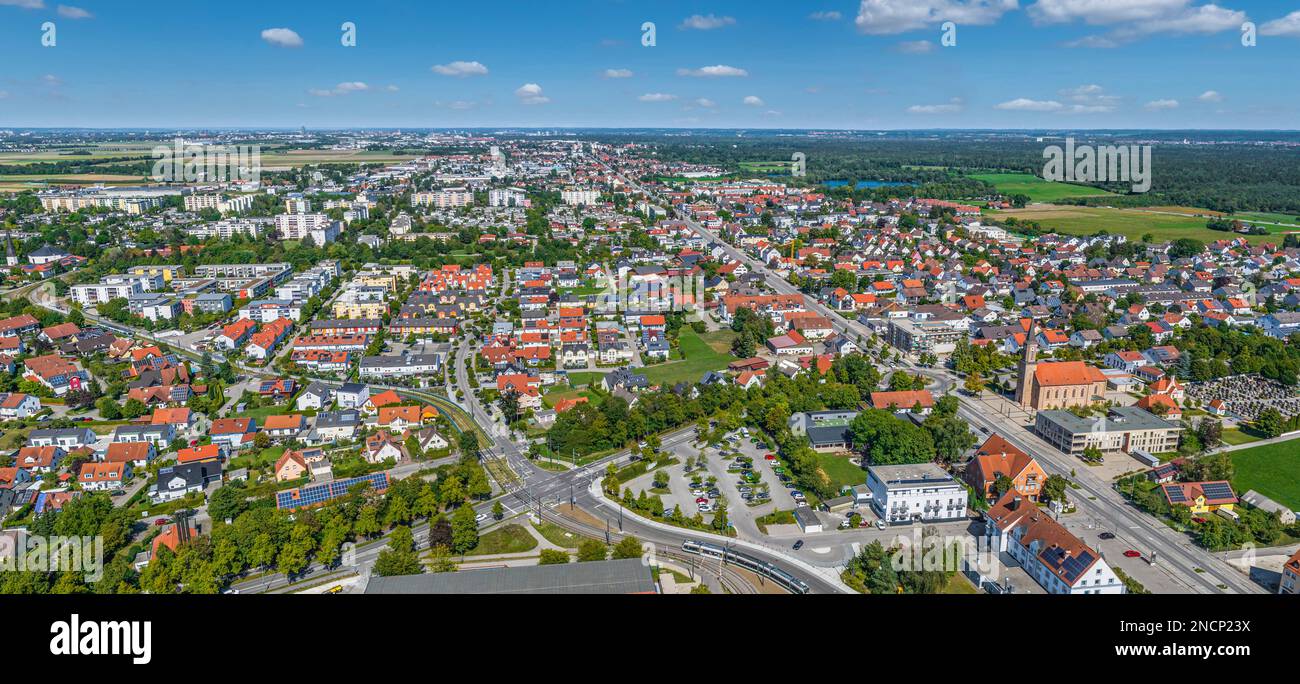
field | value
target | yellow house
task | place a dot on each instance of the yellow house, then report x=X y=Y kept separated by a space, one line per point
x=167 y=272
x=360 y=309
x=1201 y=497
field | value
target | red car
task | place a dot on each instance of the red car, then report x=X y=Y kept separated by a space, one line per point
x=160 y=522
x=770 y=457
x=1132 y=554
x=1199 y=521
x=701 y=500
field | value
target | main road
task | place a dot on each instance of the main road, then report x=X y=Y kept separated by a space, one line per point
x=1194 y=567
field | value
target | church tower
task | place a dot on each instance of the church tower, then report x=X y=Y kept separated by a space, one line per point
x=11 y=259
x=1028 y=364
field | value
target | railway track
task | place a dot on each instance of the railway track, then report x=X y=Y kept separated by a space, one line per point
x=731 y=580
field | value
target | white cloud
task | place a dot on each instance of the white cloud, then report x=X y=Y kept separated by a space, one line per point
x=1090 y=99
x=954 y=106
x=831 y=15
x=715 y=71
x=1160 y=105
x=392 y=88
x=754 y=101
x=706 y=103
x=52 y=80
x=1024 y=104
x=1288 y=26
x=915 y=47
x=706 y=22
x=1100 y=42
x=1134 y=19
x=282 y=37
x=344 y=88
x=458 y=105
x=657 y=97
x=1210 y=96
x=24 y=4
x=70 y=12
x=618 y=73
x=881 y=17
x=460 y=69
x=531 y=94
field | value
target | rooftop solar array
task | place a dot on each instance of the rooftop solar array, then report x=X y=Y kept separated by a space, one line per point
x=1175 y=493
x=318 y=494
x=1217 y=490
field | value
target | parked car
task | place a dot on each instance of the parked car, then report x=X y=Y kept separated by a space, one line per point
x=1132 y=554
x=1107 y=535
x=798 y=545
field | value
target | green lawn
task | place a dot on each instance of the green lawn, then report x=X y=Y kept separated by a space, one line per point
x=258 y=460
x=508 y=539
x=841 y=472
x=1235 y=436
x=958 y=584
x=1133 y=223
x=583 y=378
x=558 y=535
x=1036 y=188
x=700 y=354
x=1272 y=470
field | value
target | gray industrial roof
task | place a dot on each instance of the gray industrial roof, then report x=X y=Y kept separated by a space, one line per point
x=625 y=576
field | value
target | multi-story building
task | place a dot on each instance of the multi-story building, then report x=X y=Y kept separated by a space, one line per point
x=579 y=196
x=1290 y=583
x=225 y=229
x=446 y=198
x=507 y=197
x=1123 y=429
x=319 y=227
x=922 y=492
x=917 y=337
x=1056 y=559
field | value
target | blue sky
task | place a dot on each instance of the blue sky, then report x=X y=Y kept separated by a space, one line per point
x=871 y=64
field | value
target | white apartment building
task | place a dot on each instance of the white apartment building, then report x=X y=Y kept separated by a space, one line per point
x=269 y=310
x=225 y=229
x=922 y=492
x=507 y=197
x=319 y=227
x=297 y=205
x=443 y=199
x=115 y=287
x=232 y=205
x=579 y=196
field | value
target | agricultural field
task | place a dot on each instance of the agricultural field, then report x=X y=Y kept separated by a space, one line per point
x=1272 y=470
x=1132 y=223
x=1036 y=188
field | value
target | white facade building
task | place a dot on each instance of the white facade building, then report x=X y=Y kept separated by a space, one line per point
x=922 y=492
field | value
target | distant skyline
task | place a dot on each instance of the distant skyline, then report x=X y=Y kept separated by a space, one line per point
x=866 y=65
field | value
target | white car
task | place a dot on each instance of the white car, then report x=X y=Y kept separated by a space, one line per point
x=480 y=517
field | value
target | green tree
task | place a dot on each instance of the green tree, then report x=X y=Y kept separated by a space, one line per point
x=464 y=530
x=553 y=557
x=591 y=550
x=628 y=547
x=399 y=558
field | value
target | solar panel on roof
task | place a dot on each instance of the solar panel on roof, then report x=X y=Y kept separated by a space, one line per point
x=1218 y=490
x=1175 y=493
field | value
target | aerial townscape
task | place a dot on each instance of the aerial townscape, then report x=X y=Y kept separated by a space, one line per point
x=739 y=355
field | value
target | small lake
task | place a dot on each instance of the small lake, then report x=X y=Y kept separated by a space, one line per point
x=864 y=185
